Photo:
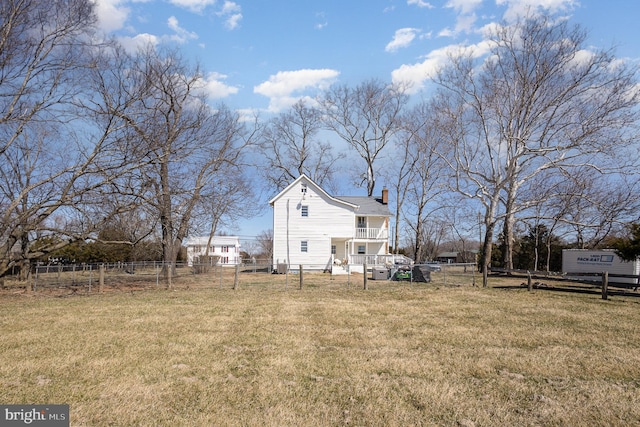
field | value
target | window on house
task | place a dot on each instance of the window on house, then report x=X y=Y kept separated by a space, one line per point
x=362 y=222
x=304 y=188
x=305 y=210
x=333 y=249
x=303 y=246
x=361 y=249
x=225 y=249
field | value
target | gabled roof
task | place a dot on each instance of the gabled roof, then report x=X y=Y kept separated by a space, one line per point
x=363 y=205
x=316 y=186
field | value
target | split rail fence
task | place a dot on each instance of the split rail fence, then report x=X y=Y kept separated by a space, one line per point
x=604 y=280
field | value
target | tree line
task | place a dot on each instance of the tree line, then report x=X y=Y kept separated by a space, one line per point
x=532 y=129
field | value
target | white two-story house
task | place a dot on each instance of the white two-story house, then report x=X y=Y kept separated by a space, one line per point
x=222 y=250
x=324 y=232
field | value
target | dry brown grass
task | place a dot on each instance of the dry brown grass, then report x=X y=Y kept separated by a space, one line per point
x=270 y=354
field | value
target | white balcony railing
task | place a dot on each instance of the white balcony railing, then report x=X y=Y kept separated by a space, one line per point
x=372 y=233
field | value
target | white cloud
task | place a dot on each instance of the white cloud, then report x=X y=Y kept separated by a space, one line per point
x=465 y=17
x=464 y=6
x=215 y=87
x=111 y=14
x=181 y=35
x=420 y=3
x=446 y=32
x=464 y=23
x=233 y=21
x=284 y=88
x=402 y=38
x=231 y=12
x=193 y=5
x=415 y=75
x=322 y=21
x=516 y=8
x=131 y=44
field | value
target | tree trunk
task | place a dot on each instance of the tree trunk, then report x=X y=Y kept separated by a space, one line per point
x=508 y=228
x=486 y=252
x=490 y=224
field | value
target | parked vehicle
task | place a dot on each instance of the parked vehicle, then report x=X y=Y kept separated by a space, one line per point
x=433 y=266
x=597 y=261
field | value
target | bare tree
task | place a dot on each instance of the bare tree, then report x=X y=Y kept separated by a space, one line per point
x=41 y=46
x=419 y=177
x=227 y=198
x=540 y=100
x=593 y=206
x=186 y=143
x=424 y=244
x=366 y=117
x=265 y=244
x=290 y=146
x=57 y=165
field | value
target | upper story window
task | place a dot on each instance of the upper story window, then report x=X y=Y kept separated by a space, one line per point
x=303 y=188
x=225 y=249
x=362 y=222
x=305 y=210
x=304 y=246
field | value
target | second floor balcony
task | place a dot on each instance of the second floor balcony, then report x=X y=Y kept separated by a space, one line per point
x=372 y=233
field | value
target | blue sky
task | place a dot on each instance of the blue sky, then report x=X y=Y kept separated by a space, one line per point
x=263 y=55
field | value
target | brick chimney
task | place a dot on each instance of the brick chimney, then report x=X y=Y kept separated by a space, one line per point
x=385 y=196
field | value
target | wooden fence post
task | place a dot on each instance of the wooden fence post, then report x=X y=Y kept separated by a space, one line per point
x=301 y=281
x=444 y=273
x=529 y=284
x=101 y=278
x=235 y=278
x=605 y=284
x=35 y=281
x=364 y=270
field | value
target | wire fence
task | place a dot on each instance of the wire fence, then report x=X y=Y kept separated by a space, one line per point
x=255 y=274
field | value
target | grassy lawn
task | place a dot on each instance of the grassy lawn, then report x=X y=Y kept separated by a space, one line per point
x=399 y=355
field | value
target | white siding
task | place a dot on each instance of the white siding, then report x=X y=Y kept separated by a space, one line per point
x=597 y=261
x=327 y=218
x=328 y=221
x=196 y=246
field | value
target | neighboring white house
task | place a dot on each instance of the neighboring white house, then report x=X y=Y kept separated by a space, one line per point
x=323 y=232
x=226 y=249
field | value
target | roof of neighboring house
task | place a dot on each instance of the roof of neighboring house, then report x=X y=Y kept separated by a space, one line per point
x=367 y=205
x=202 y=240
x=447 y=255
